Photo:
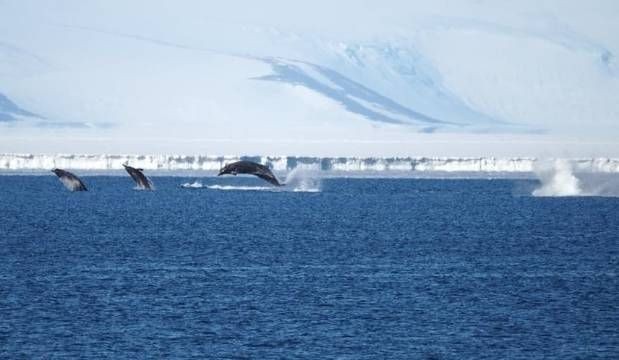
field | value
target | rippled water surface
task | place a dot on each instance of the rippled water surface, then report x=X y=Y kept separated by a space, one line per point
x=356 y=268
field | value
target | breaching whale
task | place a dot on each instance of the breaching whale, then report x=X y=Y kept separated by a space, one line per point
x=69 y=180
x=140 y=179
x=249 y=167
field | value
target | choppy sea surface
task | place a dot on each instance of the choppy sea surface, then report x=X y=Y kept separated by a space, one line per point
x=343 y=269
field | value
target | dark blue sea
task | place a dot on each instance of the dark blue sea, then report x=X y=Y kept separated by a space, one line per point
x=362 y=269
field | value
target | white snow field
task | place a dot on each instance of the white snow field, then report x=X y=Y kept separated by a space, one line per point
x=389 y=78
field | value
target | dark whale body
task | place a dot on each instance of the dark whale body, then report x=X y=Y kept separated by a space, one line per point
x=249 y=167
x=69 y=180
x=140 y=179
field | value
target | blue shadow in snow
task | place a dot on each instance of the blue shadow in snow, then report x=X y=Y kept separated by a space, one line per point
x=287 y=71
x=9 y=111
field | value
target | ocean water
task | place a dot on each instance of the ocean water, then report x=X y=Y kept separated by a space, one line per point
x=352 y=269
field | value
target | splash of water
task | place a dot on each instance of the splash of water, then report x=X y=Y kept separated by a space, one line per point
x=241 y=188
x=557 y=179
x=197 y=184
x=303 y=180
x=298 y=180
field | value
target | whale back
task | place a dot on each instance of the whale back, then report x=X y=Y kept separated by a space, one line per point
x=252 y=168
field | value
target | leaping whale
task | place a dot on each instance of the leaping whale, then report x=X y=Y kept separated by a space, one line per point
x=140 y=179
x=69 y=180
x=250 y=167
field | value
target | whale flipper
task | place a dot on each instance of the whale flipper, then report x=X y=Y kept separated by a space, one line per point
x=69 y=180
x=249 y=167
x=140 y=179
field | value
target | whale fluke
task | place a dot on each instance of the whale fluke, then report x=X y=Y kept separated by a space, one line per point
x=140 y=179
x=69 y=180
x=249 y=167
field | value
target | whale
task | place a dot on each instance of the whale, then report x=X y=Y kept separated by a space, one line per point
x=69 y=180
x=252 y=168
x=140 y=179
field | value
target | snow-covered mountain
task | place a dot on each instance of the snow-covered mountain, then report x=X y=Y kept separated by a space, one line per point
x=108 y=76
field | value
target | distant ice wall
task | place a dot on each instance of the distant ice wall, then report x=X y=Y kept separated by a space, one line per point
x=286 y=163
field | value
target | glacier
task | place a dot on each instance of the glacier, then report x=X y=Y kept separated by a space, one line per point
x=10 y=163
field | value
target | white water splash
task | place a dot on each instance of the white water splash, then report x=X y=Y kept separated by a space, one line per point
x=303 y=180
x=197 y=184
x=298 y=180
x=241 y=188
x=557 y=179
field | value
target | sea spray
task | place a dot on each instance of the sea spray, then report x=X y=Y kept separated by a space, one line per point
x=242 y=188
x=303 y=180
x=557 y=179
x=297 y=180
x=197 y=184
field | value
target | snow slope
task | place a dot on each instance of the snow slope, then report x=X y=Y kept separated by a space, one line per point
x=146 y=77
